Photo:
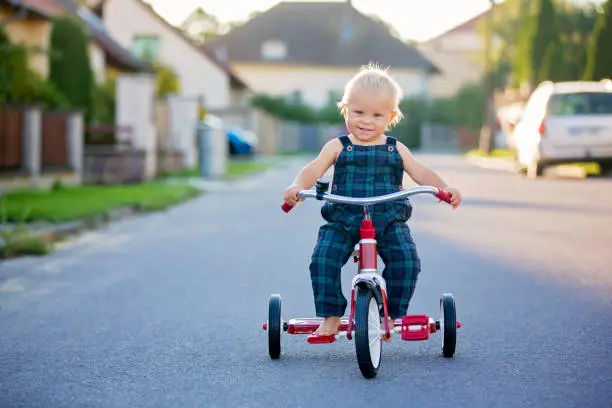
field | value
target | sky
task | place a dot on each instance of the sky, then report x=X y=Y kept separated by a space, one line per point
x=416 y=20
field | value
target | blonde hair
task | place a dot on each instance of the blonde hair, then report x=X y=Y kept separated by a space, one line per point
x=374 y=78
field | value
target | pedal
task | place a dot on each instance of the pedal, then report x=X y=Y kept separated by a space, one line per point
x=415 y=327
x=315 y=339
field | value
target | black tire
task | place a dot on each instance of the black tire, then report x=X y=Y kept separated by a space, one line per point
x=368 y=360
x=274 y=326
x=605 y=168
x=449 y=319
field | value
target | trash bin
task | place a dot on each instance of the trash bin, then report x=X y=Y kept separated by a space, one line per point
x=212 y=147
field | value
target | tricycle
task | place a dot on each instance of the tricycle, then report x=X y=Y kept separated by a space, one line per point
x=368 y=303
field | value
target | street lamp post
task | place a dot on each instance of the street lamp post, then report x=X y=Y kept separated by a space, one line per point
x=487 y=132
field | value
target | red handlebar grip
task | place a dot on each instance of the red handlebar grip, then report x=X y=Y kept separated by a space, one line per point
x=286 y=207
x=444 y=196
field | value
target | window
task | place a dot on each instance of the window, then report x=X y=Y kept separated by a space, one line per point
x=586 y=103
x=273 y=50
x=146 y=47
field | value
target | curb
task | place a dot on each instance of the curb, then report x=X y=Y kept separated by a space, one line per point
x=53 y=233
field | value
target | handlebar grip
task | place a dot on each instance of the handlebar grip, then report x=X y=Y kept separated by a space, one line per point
x=286 y=207
x=444 y=196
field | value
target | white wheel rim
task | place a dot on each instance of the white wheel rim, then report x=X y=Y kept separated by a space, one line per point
x=374 y=337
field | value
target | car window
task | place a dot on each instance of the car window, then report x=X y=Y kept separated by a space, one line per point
x=582 y=103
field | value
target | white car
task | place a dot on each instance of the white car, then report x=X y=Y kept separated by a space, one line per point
x=565 y=122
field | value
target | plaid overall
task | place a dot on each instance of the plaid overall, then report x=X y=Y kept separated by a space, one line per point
x=365 y=171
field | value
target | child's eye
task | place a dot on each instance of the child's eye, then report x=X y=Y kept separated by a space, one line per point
x=378 y=115
x=358 y=112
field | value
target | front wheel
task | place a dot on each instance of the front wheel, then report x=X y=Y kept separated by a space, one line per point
x=448 y=324
x=274 y=326
x=368 y=340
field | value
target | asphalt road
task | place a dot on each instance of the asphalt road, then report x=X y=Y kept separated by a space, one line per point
x=165 y=310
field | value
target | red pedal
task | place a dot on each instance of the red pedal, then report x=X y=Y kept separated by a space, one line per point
x=415 y=327
x=315 y=339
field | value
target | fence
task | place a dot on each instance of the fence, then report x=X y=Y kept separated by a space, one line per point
x=277 y=136
x=113 y=165
x=54 y=140
x=11 y=138
x=33 y=141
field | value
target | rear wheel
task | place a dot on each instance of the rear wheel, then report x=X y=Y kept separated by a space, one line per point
x=448 y=324
x=274 y=326
x=605 y=168
x=368 y=340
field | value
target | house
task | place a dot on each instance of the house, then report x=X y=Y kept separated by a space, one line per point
x=61 y=138
x=136 y=26
x=459 y=53
x=205 y=82
x=309 y=50
x=34 y=31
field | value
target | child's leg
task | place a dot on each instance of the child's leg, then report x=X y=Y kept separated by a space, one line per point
x=402 y=267
x=333 y=248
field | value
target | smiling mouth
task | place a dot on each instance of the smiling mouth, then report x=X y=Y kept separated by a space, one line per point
x=364 y=129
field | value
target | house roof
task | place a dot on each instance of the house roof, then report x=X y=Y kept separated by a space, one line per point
x=23 y=10
x=320 y=33
x=115 y=53
x=234 y=78
x=467 y=26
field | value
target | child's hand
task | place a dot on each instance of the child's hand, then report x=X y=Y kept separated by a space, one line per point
x=291 y=193
x=455 y=196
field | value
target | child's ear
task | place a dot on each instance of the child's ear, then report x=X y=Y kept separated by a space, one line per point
x=393 y=116
x=344 y=110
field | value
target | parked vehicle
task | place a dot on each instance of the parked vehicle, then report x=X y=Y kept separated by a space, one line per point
x=241 y=141
x=565 y=122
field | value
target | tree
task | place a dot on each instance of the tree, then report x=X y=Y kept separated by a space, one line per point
x=599 y=60
x=201 y=26
x=19 y=83
x=69 y=67
x=167 y=80
x=5 y=71
x=545 y=35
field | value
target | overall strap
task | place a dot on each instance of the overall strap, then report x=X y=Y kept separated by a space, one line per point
x=345 y=141
x=391 y=141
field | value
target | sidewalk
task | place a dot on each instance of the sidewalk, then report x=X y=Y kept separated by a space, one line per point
x=52 y=233
x=509 y=165
x=494 y=163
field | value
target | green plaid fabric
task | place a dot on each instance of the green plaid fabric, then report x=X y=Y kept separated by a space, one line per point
x=365 y=171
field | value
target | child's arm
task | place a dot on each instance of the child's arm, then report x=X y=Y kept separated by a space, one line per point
x=423 y=175
x=309 y=175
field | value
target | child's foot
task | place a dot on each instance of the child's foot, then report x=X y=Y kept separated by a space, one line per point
x=329 y=327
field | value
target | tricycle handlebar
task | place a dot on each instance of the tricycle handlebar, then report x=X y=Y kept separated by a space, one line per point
x=332 y=198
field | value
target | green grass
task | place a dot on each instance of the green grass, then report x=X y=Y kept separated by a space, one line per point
x=18 y=241
x=497 y=153
x=235 y=168
x=238 y=168
x=591 y=169
x=74 y=203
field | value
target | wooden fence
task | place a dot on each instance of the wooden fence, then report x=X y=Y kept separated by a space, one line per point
x=54 y=152
x=11 y=138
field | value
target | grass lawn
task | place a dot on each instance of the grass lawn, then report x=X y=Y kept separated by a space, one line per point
x=497 y=153
x=73 y=203
x=235 y=168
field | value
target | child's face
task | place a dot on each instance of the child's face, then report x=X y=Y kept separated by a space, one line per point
x=367 y=115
